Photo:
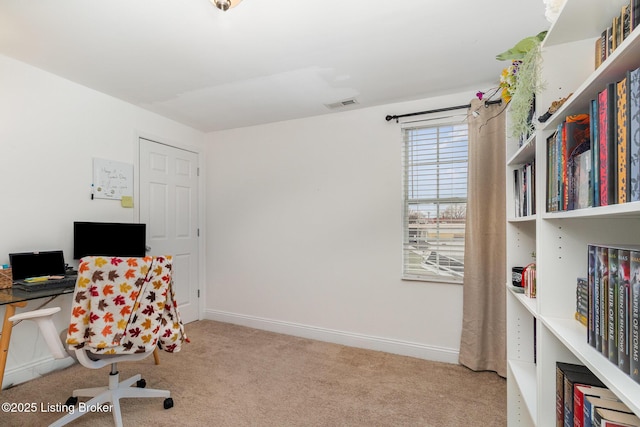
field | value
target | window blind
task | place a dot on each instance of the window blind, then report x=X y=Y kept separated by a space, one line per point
x=435 y=202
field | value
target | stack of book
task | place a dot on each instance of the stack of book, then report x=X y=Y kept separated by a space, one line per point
x=569 y=165
x=593 y=159
x=582 y=400
x=613 y=280
x=582 y=301
x=524 y=186
x=620 y=28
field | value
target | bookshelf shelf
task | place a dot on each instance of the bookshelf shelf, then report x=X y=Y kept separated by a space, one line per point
x=580 y=20
x=525 y=154
x=527 y=218
x=525 y=375
x=612 y=69
x=530 y=304
x=626 y=210
x=560 y=239
x=573 y=335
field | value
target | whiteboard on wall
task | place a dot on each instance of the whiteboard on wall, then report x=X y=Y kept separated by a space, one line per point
x=111 y=179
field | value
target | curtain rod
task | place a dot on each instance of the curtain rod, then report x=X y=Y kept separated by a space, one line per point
x=439 y=110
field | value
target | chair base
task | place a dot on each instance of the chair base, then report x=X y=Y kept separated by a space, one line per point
x=102 y=396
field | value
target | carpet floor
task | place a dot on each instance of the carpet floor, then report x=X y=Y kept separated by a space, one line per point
x=232 y=375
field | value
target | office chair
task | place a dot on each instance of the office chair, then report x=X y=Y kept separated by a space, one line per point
x=123 y=308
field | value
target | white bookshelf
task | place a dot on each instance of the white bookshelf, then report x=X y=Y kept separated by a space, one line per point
x=560 y=239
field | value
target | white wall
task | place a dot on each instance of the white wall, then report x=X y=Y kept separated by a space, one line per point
x=50 y=130
x=303 y=218
x=304 y=234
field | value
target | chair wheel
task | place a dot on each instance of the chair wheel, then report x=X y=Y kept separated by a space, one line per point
x=168 y=403
x=71 y=401
x=141 y=383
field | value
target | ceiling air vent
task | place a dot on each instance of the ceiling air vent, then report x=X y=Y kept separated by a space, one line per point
x=341 y=104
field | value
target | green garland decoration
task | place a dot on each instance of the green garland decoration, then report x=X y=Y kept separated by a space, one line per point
x=527 y=85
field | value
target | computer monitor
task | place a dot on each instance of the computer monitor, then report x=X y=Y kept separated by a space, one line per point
x=109 y=239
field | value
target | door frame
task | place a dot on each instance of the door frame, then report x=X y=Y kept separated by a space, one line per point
x=201 y=202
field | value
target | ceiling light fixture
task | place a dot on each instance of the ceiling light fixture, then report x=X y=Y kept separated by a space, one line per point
x=225 y=4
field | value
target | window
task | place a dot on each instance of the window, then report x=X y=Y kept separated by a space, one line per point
x=435 y=202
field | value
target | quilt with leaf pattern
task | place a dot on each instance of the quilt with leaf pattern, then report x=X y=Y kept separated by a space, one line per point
x=125 y=305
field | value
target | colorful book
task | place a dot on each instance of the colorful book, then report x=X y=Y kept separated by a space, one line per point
x=609 y=418
x=591 y=269
x=563 y=369
x=601 y=49
x=582 y=301
x=624 y=308
x=571 y=380
x=552 y=172
x=622 y=139
x=634 y=350
x=559 y=160
x=606 y=400
x=615 y=33
x=612 y=309
x=595 y=156
x=634 y=134
x=625 y=22
x=603 y=264
x=607 y=145
x=582 y=180
x=577 y=140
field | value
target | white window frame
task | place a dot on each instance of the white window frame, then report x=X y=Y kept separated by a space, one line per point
x=415 y=244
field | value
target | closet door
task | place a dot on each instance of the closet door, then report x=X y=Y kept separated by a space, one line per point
x=169 y=207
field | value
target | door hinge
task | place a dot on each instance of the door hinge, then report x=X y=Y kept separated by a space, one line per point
x=198 y=232
x=198 y=293
x=197 y=171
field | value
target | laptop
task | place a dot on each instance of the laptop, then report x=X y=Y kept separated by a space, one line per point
x=33 y=271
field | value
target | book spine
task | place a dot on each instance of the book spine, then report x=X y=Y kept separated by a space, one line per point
x=595 y=156
x=553 y=169
x=634 y=350
x=604 y=44
x=532 y=168
x=597 y=53
x=559 y=397
x=612 y=142
x=597 y=300
x=615 y=33
x=634 y=134
x=582 y=299
x=558 y=164
x=548 y=173
x=578 y=407
x=587 y=409
x=603 y=147
x=576 y=141
x=624 y=294
x=604 y=293
x=625 y=21
x=583 y=179
x=621 y=139
x=564 y=165
x=591 y=268
x=612 y=318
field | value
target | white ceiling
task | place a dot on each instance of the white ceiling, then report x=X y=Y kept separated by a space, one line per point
x=267 y=60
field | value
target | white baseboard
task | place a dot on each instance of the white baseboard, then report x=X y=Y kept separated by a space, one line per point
x=33 y=370
x=404 y=348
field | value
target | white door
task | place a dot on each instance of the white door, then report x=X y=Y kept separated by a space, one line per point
x=169 y=207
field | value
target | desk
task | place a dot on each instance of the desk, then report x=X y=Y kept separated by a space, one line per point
x=14 y=297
